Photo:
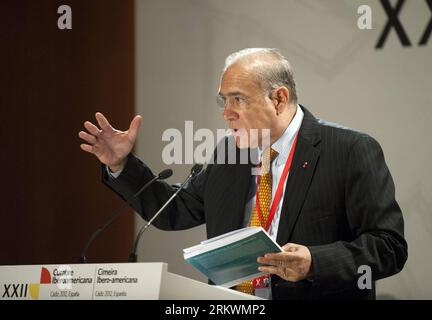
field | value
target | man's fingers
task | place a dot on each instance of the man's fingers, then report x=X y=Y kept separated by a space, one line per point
x=285 y=273
x=290 y=247
x=281 y=272
x=102 y=121
x=281 y=256
x=87 y=137
x=92 y=128
x=276 y=262
x=134 y=127
x=87 y=147
x=270 y=269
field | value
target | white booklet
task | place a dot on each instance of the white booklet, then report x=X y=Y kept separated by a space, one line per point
x=231 y=258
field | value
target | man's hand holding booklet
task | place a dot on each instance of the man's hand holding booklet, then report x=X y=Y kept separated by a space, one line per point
x=231 y=258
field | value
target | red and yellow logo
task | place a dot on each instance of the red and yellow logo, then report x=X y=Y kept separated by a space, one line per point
x=45 y=278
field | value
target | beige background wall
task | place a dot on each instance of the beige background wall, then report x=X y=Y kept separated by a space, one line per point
x=180 y=49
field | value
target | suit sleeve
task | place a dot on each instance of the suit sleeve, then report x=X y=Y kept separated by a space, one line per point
x=185 y=211
x=374 y=218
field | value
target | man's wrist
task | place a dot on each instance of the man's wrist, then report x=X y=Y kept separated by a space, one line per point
x=117 y=168
x=114 y=169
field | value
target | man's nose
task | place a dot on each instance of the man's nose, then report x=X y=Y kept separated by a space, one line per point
x=229 y=113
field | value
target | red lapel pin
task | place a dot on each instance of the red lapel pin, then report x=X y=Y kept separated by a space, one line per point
x=305 y=165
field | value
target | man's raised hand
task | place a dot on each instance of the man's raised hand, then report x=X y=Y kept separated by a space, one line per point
x=109 y=145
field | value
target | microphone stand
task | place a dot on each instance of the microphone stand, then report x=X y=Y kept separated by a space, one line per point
x=163 y=175
x=133 y=256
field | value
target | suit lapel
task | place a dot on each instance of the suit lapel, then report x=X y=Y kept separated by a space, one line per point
x=302 y=170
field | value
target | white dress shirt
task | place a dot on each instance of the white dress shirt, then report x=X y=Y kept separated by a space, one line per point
x=283 y=147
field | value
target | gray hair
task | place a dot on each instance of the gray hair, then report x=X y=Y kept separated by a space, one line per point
x=274 y=73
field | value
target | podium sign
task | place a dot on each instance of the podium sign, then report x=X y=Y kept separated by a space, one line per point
x=104 y=281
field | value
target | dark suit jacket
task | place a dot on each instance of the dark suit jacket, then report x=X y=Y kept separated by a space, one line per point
x=341 y=206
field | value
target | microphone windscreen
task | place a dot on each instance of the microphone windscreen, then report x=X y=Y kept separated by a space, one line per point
x=165 y=174
x=196 y=169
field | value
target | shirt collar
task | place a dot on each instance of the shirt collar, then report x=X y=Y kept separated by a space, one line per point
x=286 y=140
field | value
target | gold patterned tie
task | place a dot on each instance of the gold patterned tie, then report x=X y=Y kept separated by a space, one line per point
x=264 y=194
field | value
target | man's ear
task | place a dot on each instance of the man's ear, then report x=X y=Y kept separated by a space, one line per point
x=281 y=98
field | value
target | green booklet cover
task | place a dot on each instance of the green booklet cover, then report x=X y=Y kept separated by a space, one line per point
x=231 y=258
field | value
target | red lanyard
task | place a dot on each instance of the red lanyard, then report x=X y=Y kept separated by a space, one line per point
x=278 y=194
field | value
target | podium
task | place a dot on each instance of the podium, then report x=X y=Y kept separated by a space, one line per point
x=150 y=281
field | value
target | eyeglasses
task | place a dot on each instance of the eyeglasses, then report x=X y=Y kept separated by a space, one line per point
x=238 y=101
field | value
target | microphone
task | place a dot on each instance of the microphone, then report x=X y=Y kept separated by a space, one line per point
x=194 y=171
x=161 y=176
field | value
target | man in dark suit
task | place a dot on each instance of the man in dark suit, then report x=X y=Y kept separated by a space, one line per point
x=336 y=216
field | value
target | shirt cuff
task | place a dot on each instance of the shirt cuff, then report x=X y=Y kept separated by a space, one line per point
x=113 y=175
